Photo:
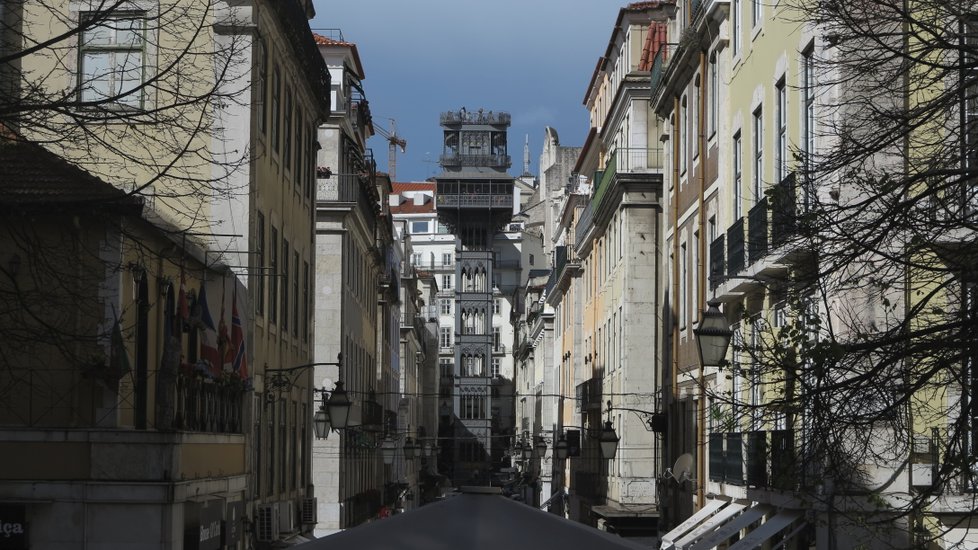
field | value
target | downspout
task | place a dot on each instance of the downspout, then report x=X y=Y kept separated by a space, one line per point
x=701 y=286
x=674 y=377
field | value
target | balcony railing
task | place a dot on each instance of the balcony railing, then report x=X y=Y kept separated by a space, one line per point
x=584 y=224
x=716 y=262
x=207 y=406
x=659 y=64
x=757 y=459
x=784 y=211
x=492 y=161
x=338 y=188
x=757 y=231
x=783 y=464
x=477 y=117
x=626 y=160
x=495 y=201
x=735 y=248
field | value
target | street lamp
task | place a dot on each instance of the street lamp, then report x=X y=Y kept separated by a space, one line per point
x=338 y=407
x=713 y=336
x=561 y=448
x=410 y=448
x=608 y=441
x=320 y=420
x=541 y=447
x=387 y=449
x=527 y=450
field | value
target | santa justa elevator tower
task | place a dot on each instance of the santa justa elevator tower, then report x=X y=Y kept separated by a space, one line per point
x=475 y=200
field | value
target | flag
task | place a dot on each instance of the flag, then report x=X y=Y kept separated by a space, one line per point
x=183 y=305
x=208 y=342
x=223 y=338
x=119 y=364
x=240 y=362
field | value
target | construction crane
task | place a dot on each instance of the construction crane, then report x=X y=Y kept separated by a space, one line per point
x=394 y=141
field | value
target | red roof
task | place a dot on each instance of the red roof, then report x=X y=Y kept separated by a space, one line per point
x=408 y=207
x=400 y=187
x=326 y=41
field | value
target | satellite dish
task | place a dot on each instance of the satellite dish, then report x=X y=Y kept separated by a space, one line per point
x=682 y=467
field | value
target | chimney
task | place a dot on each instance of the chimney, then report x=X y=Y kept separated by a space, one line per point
x=419 y=199
x=393 y=200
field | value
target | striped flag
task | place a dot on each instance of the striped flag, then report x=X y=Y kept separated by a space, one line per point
x=240 y=362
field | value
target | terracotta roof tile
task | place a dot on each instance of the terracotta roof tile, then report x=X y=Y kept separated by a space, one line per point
x=400 y=187
x=30 y=174
x=326 y=41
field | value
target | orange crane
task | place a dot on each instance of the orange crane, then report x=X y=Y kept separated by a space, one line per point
x=394 y=141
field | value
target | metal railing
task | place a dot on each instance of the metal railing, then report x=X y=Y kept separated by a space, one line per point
x=206 y=406
x=735 y=248
x=477 y=117
x=784 y=211
x=757 y=459
x=659 y=64
x=717 y=274
x=757 y=231
x=338 y=188
x=492 y=161
x=584 y=224
x=497 y=201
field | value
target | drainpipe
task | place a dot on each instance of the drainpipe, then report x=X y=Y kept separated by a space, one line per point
x=674 y=378
x=701 y=290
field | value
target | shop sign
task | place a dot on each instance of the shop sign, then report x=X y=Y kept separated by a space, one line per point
x=13 y=527
x=202 y=525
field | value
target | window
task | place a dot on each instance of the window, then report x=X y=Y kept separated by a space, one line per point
x=446 y=306
x=738 y=168
x=758 y=154
x=808 y=125
x=714 y=94
x=287 y=131
x=298 y=157
x=496 y=362
x=112 y=52
x=531 y=259
x=259 y=287
x=755 y=13
x=306 y=302
x=781 y=162
x=683 y=274
x=285 y=287
x=416 y=259
x=496 y=307
x=295 y=294
x=446 y=258
x=496 y=339
x=275 y=114
x=273 y=275
x=419 y=227
x=446 y=282
x=682 y=134
x=694 y=130
x=735 y=17
x=446 y=367
x=261 y=84
x=445 y=334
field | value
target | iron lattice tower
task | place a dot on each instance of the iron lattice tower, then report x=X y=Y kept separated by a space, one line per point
x=475 y=200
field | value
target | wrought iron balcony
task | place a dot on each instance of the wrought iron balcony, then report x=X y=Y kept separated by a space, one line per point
x=208 y=405
x=784 y=211
x=491 y=161
x=757 y=231
x=783 y=464
x=659 y=64
x=584 y=224
x=338 y=188
x=496 y=201
x=735 y=248
x=757 y=459
x=717 y=274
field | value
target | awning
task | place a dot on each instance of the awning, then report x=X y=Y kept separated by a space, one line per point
x=732 y=527
x=771 y=527
x=706 y=511
x=709 y=524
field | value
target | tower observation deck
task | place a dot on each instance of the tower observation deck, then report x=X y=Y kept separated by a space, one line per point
x=475 y=200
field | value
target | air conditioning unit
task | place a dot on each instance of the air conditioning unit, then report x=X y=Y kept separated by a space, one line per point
x=266 y=523
x=310 y=509
x=286 y=517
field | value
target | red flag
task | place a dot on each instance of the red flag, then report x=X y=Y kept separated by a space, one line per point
x=240 y=362
x=183 y=306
